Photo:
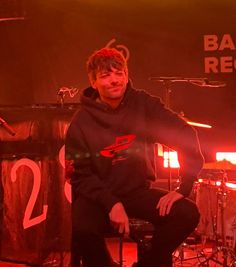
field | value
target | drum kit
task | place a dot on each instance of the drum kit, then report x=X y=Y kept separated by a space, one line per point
x=214 y=205
x=216 y=200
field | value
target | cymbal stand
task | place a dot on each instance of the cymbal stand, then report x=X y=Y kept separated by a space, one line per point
x=227 y=253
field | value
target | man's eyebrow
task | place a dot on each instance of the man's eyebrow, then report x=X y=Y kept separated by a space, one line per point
x=103 y=72
x=109 y=71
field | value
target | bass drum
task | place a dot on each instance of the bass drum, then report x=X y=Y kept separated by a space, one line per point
x=229 y=217
x=208 y=200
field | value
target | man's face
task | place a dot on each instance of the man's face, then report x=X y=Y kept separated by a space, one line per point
x=111 y=85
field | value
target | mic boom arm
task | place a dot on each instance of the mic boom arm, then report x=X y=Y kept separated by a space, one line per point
x=202 y=82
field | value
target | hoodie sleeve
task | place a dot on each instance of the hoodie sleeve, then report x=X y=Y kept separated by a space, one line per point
x=168 y=128
x=79 y=170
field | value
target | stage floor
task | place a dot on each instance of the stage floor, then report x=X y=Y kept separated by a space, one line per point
x=187 y=255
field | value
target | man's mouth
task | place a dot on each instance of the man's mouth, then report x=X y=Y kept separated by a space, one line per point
x=118 y=87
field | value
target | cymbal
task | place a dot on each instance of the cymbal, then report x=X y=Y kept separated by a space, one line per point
x=219 y=165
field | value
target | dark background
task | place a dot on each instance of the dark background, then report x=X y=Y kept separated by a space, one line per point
x=44 y=46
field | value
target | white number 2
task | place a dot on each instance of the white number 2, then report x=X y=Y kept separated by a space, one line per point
x=28 y=221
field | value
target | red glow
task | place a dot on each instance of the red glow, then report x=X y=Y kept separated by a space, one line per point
x=67 y=191
x=62 y=156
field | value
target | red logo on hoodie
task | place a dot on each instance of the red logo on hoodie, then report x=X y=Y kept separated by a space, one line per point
x=122 y=143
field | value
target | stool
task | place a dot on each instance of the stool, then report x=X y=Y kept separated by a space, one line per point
x=115 y=234
x=141 y=232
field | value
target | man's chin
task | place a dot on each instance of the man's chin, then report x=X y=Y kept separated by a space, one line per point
x=116 y=97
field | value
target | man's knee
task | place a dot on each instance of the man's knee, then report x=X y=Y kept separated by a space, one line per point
x=188 y=212
x=192 y=214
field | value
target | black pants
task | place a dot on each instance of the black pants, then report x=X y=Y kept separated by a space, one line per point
x=89 y=222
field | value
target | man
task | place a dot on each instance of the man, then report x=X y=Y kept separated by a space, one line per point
x=109 y=147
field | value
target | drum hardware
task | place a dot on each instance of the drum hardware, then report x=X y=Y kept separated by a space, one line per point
x=222 y=165
x=228 y=254
x=179 y=255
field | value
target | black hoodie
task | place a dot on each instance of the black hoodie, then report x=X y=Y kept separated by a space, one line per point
x=110 y=150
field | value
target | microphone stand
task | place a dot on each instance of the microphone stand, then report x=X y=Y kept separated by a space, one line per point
x=167 y=82
x=167 y=85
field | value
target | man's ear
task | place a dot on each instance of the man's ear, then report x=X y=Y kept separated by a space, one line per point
x=93 y=83
x=127 y=75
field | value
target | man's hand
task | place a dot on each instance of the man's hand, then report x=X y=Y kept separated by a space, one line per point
x=119 y=218
x=165 y=203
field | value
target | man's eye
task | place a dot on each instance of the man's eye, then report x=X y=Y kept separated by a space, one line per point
x=104 y=75
x=119 y=73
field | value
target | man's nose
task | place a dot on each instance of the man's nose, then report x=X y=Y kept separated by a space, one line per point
x=114 y=79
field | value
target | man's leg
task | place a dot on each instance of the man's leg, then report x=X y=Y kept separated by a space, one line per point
x=89 y=222
x=171 y=230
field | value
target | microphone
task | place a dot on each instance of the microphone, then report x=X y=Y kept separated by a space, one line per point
x=207 y=83
x=7 y=127
x=168 y=79
x=215 y=84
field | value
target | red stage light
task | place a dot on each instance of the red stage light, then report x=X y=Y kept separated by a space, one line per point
x=171 y=160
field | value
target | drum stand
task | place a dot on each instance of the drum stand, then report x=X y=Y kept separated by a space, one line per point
x=228 y=255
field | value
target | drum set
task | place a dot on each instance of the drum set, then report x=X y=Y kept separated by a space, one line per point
x=216 y=200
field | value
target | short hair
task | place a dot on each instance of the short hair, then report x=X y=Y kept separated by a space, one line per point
x=105 y=59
